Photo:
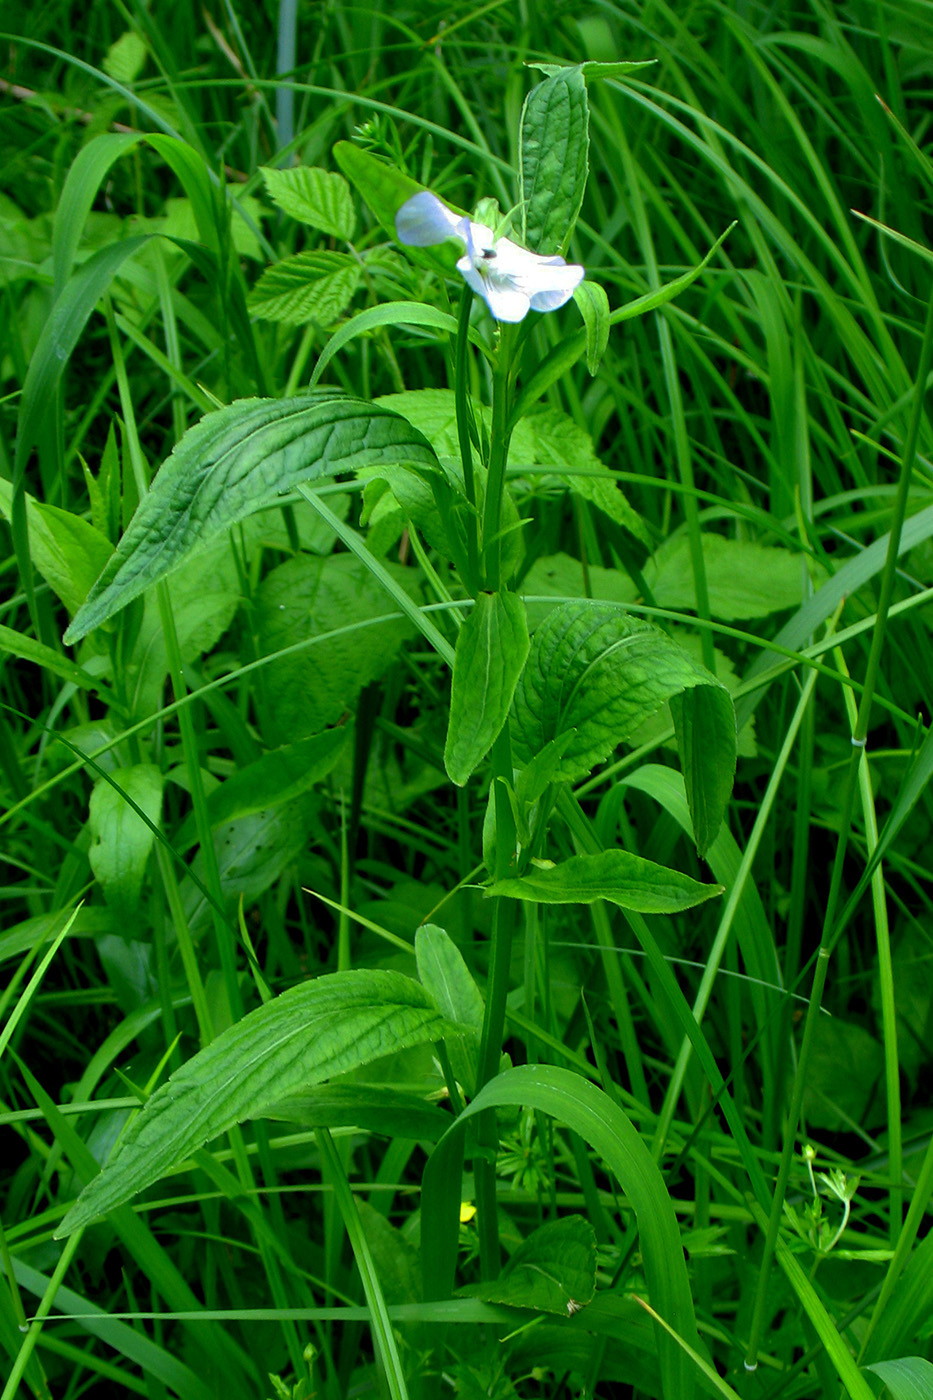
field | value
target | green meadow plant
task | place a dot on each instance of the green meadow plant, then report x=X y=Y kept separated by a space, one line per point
x=469 y=840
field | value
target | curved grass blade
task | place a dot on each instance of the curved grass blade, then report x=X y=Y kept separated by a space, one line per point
x=591 y=1113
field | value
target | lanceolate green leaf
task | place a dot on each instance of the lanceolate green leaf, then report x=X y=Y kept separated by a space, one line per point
x=553 y=159
x=594 y=308
x=619 y=876
x=231 y=464
x=706 y=738
x=588 y=1111
x=491 y=651
x=308 y=1034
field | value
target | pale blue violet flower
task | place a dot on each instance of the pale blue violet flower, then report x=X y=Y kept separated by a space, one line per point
x=511 y=280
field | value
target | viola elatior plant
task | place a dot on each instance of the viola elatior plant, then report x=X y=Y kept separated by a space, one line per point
x=511 y=280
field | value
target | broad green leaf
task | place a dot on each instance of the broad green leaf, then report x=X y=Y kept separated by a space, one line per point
x=744 y=579
x=313 y=286
x=445 y=975
x=573 y=1100
x=251 y=853
x=491 y=649
x=845 y=1067
x=120 y=839
x=410 y=497
x=338 y=600
x=594 y=308
x=313 y=196
x=66 y=550
x=560 y=576
x=310 y=1033
x=396 y=1260
x=622 y=878
x=553 y=1270
x=541 y=771
x=553 y=159
x=205 y=592
x=385 y=189
x=596 y=670
x=278 y=777
x=706 y=738
x=549 y=437
x=375 y=1108
x=126 y=57
x=232 y=463
x=393 y=313
x=907 y=1377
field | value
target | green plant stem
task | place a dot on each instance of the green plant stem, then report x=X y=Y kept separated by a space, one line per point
x=501 y=434
x=462 y=403
x=42 y=1311
x=828 y=937
x=497 y=989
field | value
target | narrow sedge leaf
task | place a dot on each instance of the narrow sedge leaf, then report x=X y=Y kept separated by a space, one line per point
x=622 y=878
x=309 y=1033
x=313 y=196
x=556 y=361
x=553 y=1270
x=313 y=286
x=553 y=159
x=594 y=308
x=232 y=463
x=491 y=651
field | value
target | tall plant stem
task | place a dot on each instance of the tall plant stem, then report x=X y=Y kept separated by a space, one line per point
x=498 y=457
x=503 y=918
x=462 y=404
x=828 y=939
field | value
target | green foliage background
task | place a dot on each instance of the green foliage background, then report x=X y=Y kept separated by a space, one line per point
x=246 y=846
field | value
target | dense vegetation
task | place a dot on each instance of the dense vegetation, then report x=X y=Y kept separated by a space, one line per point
x=482 y=804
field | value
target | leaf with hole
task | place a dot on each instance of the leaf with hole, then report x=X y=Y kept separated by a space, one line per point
x=553 y=1270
